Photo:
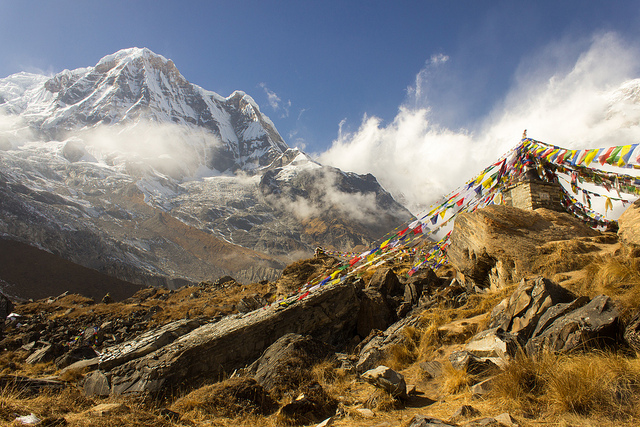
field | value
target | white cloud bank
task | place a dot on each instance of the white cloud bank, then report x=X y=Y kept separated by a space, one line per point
x=589 y=102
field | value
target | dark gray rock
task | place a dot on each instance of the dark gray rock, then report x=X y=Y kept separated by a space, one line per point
x=374 y=313
x=219 y=348
x=431 y=369
x=45 y=354
x=76 y=354
x=594 y=325
x=386 y=282
x=374 y=349
x=29 y=386
x=465 y=411
x=482 y=388
x=287 y=362
x=247 y=304
x=474 y=365
x=146 y=343
x=96 y=384
x=6 y=307
x=520 y=313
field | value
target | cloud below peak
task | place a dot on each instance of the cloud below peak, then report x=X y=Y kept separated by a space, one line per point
x=574 y=94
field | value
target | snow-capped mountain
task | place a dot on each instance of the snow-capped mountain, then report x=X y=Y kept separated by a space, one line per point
x=128 y=168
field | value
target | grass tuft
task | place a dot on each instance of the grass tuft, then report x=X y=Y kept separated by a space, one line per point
x=595 y=385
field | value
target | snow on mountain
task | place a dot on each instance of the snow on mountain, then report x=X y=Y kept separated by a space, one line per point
x=128 y=168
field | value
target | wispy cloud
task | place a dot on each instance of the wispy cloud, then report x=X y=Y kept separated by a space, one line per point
x=275 y=102
x=570 y=94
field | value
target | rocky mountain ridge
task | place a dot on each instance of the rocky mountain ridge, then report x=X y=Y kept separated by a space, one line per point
x=127 y=168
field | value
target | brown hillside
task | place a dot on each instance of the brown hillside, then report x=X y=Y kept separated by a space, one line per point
x=33 y=273
x=205 y=246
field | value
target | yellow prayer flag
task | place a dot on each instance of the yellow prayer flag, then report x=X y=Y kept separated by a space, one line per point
x=589 y=158
x=608 y=205
x=623 y=153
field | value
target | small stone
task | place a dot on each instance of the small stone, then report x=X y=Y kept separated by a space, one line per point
x=424 y=421
x=483 y=422
x=431 y=369
x=387 y=379
x=30 y=419
x=106 y=409
x=365 y=413
x=482 y=388
x=465 y=411
x=326 y=423
x=506 y=419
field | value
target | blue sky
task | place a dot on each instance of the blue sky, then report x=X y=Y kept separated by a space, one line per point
x=323 y=70
x=326 y=61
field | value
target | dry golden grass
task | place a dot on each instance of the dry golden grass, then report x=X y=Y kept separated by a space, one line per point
x=455 y=381
x=406 y=352
x=230 y=399
x=563 y=256
x=617 y=277
x=601 y=385
x=44 y=405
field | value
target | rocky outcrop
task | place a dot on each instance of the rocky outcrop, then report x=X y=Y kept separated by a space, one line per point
x=629 y=224
x=498 y=244
x=380 y=301
x=373 y=349
x=594 y=325
x=210 y=351
x=285 y=364
x=543 y=316
x=519 y=314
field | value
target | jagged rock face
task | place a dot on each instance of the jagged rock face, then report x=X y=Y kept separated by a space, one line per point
x=127 y=168
x=215 y=348
x=543 y=316
x=497 y=245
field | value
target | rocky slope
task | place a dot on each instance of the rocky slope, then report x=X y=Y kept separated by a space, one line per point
x=544 y=340
x=127 y=168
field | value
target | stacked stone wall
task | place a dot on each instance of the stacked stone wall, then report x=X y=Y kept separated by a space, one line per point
x=530 y=195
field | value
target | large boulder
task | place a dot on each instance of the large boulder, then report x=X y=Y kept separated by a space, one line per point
x=386 y=282
x=629 y=224
x=519 y=314
x=544 y=316
x=594 y=325
x=497 y=245
x=373 y=349
x=216 y=349
x=424 y=280
x=374 y=313
x=285 y=365
x=381 y=300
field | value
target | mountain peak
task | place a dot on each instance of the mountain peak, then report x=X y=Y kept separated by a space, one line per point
x=130 y=54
